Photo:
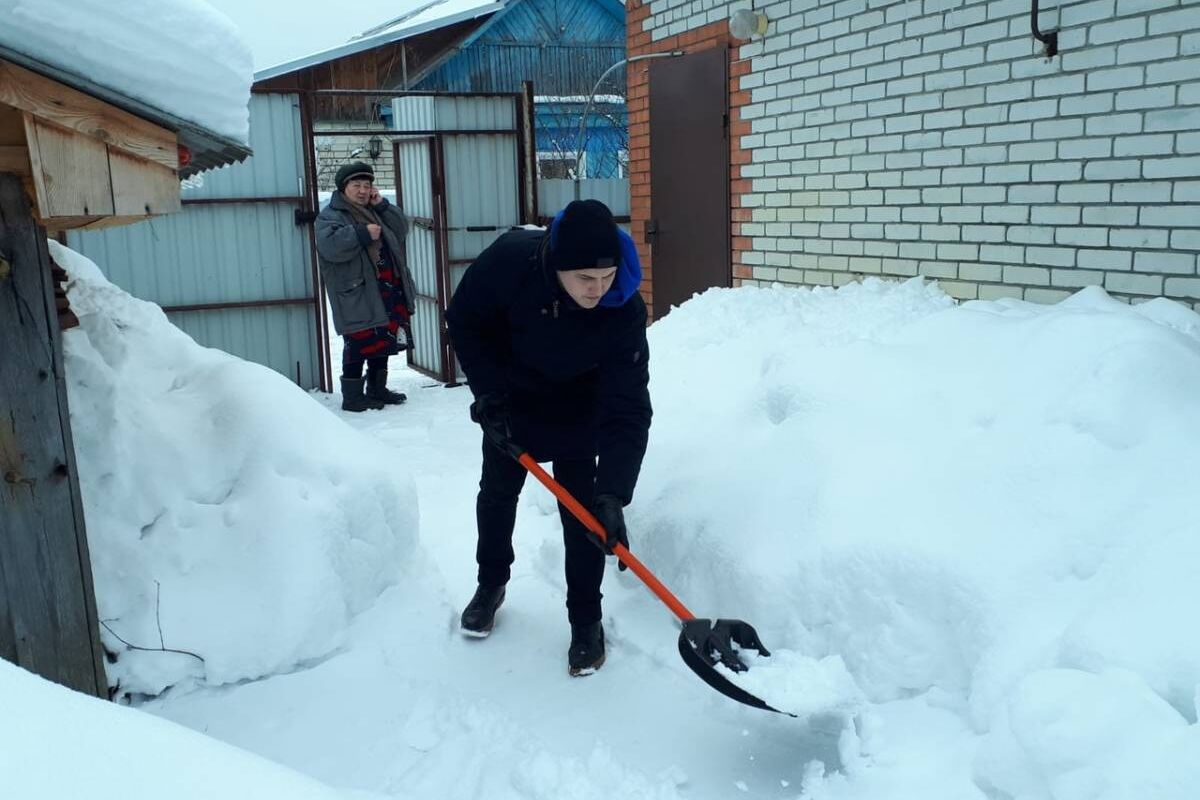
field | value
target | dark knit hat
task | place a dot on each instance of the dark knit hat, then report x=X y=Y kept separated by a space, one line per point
x=355 y=169
x=584 y=236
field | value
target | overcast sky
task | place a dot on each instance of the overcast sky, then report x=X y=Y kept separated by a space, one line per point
x=281 y=30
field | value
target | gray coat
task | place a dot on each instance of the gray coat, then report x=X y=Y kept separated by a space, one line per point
x=347 y=269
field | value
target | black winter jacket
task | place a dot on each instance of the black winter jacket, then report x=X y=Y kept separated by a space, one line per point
x=577 y=379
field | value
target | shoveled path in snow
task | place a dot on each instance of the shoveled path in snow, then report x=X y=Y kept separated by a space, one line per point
x=410 y=708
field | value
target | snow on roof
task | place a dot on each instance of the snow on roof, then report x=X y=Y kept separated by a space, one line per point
x=422 y=17
x=178 y=61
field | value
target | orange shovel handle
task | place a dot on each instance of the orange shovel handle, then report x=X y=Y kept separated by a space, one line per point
x=619 y=550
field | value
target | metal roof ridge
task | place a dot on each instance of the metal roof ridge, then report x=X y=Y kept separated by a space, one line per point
x=378 y=40
x=383 y=26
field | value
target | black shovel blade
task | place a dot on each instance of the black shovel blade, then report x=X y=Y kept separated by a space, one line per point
x=704 y=643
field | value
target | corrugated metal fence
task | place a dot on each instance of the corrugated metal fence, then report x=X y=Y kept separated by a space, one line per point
x=235 y=270
x=555 y=193
x=463 y=188
x=232 y=269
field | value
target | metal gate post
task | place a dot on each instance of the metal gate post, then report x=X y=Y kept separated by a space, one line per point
x=527 y=156
x=437 y=171
x=312 y=206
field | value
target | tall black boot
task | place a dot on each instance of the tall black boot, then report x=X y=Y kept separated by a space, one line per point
x=353 y=398
x=377 y=389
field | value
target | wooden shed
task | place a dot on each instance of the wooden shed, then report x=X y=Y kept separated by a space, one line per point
x=73 y=154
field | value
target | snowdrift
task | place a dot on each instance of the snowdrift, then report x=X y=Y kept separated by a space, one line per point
x=229 y=514
x=969 y=531
x=117 y=753
x=989 y=507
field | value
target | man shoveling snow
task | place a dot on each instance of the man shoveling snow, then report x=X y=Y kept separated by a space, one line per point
x=551 y=333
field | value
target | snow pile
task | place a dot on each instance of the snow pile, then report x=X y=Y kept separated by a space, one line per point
x=117 y=753
x=180 y=56
x=229 y=515
x=1081 y=735
x=796 y=684
x=987 y=507
x=965 y=532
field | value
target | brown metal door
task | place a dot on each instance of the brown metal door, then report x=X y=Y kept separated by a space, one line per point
x=689 y=176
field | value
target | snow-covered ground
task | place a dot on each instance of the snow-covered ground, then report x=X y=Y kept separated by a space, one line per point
x=967 y=531
x=55 y=744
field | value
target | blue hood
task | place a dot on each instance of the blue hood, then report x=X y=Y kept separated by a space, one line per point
x=629 y=271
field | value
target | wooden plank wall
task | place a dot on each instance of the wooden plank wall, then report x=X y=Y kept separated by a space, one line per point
x=69 y=171
x=48 y=619
x=90 y=163
x=76 y=111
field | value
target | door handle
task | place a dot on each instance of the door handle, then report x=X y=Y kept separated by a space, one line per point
x=651 y=231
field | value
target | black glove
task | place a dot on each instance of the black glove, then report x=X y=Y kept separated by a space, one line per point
x=608 y=511
x=490 y=411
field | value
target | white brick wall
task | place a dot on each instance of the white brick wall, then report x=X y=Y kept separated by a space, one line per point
x=334 y=151
x=902 y=137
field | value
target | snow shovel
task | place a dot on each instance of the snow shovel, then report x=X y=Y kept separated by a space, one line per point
x=703 y=643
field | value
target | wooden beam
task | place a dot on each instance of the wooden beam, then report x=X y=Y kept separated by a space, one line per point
x=72 y=109
x=70 y=171
x=14 y=159
x=59 y=224
x=48 y=621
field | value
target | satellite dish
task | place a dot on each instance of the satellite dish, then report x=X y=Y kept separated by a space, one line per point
x=746 y=24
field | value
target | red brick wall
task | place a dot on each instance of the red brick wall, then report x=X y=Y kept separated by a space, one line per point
x=638 y=42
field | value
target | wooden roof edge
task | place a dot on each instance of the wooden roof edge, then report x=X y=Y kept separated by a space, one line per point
x=208 y=148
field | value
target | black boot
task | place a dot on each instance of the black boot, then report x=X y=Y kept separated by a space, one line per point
x=353 y=398
x=587 y=649
x=377 y=389
x=480 y=614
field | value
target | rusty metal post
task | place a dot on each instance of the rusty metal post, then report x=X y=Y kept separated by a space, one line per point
x=311 y=205
x=437 y=170
x=527 y=155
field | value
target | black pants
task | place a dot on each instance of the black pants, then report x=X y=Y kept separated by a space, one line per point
x=354 y=369
x=496 y=514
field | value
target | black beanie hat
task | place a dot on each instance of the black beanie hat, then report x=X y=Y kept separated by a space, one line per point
x=585 y=237
x=355 y=169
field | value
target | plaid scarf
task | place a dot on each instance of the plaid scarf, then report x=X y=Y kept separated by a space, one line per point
x=366 y=216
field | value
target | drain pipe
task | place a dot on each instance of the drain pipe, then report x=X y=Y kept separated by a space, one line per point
x=1049 y=39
